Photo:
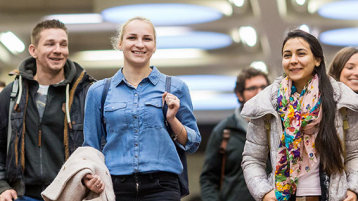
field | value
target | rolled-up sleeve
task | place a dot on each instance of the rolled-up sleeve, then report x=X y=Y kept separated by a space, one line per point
x=186 y=116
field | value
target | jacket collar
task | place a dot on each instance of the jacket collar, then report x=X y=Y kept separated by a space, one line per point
x=265 y=102
x=28 y=69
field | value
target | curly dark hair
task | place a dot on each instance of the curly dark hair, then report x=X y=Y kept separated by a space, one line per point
x=245 y=74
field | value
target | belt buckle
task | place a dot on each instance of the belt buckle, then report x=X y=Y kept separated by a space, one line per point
x=303 y=198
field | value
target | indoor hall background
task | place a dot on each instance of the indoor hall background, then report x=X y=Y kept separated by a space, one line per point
x=251 y=32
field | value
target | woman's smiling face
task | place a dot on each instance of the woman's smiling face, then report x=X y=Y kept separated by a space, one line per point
x=349 y=74
x=298 y=61
x=138 y=43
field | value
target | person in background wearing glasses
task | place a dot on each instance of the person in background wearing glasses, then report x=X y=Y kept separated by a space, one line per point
x=231 y=185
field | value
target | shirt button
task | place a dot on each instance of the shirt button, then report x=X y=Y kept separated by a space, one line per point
x=135 y=116
x=135 y=94
x=136 y=144
x=136 y=130
x=136 y=156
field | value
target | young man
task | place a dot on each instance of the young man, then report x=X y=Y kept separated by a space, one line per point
x=232 y=186
x=47 y=122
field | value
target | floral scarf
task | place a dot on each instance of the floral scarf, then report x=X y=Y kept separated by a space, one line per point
x=300 y=115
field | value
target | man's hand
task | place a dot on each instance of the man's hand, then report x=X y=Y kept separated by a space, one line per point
x=93 y=183
x=8 y=195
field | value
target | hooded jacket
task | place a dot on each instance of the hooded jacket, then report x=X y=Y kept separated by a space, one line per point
x=254 y=157
x=38 y=148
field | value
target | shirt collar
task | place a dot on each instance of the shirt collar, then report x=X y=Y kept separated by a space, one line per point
x=153 y=76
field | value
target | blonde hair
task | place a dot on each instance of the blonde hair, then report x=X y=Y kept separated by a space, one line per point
x=119 y=36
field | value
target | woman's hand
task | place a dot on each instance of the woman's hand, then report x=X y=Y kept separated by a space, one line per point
x=351 y=196
x=173 y=103
x=93 y=183
x=270 y=196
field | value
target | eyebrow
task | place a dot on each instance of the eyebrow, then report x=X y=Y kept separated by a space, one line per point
x=137 y=34
x=301 y=49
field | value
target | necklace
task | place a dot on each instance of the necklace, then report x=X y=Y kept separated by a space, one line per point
x=135 y=85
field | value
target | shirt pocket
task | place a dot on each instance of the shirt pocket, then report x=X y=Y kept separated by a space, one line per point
x=116 y=117
x=153 y=113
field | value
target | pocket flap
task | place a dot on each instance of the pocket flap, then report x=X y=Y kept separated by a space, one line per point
x=154 y=102
x=114 y=106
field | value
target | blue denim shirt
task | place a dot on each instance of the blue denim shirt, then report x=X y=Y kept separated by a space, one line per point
x=137 y=139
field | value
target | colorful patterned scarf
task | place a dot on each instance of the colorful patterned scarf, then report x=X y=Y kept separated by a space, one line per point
x=300 y=114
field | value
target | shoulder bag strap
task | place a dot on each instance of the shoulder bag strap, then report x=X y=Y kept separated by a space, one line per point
x=267 y=122
x=223 y=145
x=345 y=129
x=13 y=95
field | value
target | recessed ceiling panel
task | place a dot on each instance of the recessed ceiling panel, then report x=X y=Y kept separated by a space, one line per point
x=341 y=10
x=340 y=37
x=199 y=40
x=167 y=14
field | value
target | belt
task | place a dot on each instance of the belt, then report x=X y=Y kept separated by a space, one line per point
x=146 y=177
x=307 y=198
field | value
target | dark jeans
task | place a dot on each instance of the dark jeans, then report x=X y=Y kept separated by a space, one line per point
x=146 y=187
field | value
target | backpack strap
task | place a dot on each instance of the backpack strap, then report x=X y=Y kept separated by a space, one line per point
x=222 y=151
x=345 y=128
x=13 y=95
x=168 y=81
x=183 y=177
x=103 y=99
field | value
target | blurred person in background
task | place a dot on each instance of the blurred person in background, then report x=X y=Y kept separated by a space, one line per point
x=229 y=184
x=140 y=154
x=2 y=85
x=313 y=135
x=47 y=118
x=344 y=67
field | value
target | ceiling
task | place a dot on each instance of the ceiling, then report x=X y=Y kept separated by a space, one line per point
x=271 y=19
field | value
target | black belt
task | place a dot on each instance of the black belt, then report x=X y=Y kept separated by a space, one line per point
x=145 y=176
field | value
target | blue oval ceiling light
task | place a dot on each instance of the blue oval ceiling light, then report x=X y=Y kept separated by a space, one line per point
x=218 y=83
x=340 y=37
x=163 y=14
x=200 y=40
x=211 y=92
x=340 y=10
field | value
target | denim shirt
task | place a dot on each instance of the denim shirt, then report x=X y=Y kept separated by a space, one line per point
x=137 y=139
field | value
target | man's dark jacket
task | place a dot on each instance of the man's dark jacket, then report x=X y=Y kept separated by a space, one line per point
x=234 y=186
x=37 y=148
